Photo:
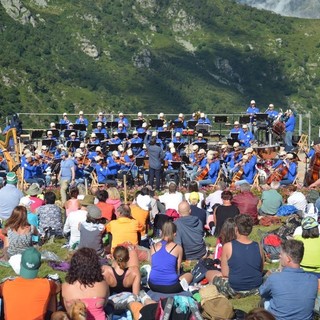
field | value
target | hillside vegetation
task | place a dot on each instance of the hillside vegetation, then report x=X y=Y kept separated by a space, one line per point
x=154 y=55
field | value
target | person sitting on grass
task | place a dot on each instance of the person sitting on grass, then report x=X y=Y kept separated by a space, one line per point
x=241 y=263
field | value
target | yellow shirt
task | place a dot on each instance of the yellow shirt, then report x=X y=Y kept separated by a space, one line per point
x=141 y=216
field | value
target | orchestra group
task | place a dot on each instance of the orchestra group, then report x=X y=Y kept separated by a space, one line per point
x=112 y=147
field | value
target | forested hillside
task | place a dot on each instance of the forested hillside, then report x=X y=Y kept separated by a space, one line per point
x=154 y=55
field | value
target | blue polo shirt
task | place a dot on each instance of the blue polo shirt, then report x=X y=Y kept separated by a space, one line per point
x=291 y=294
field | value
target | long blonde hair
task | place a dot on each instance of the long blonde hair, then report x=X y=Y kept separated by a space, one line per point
x=113 y=193
x=168 y=231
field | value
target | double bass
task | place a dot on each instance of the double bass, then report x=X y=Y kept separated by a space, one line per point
x=312 y=174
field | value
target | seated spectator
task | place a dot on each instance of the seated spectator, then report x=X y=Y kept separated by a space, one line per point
x=166 y=258
x=291 y=293
x=172 y=198
x=107 y=209
x=296 y=198
x=85 y=282
x=114 y=198
x=271 y=200
x=124 y=222
x=34 y=192
x=241 y=263
x=119 y=276
x=311 y=240
x=194 y=187
x=92 y=230
x=215 y=197
x=32 y=217
x=18 y=232
x=27 y=296
x=190 y=233
x=247 y=202
x=73 y=204
x=195 y=210
x=50 y=215
x=223 y=212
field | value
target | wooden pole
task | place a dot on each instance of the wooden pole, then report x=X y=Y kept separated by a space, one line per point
x=125 y=188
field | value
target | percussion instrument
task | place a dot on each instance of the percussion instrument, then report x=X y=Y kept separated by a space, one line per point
x=267 y=152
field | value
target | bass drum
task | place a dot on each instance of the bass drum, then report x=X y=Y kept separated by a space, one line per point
x=279 y=128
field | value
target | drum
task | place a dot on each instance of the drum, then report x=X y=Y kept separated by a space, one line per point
x=185 y=132
x=279 y=128
x=190 y=132
x=267 y=152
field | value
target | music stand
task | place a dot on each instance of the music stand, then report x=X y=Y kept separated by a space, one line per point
x=92 y=147
x=113 y=147
x=220 y=120
x=36 y=135
x=176 y=165
x=136 y=123
x=139 y=161
x=136 y=145
x=55 y=133
x=80 y=127
x=177 y=124
x=61 y=126
x=50 y=143
x=55 y=169
x=185 y=159
x=244 y=119
x=95 y=124
x=192 y=124
x=122 y=135
x=235 y=136
x=142 y=135
x=164 y=135
x=112 y=124
x=73 y=144
x=203 y=128
x=231 y=142
x=67 y=133
x=100 y=136
x=156 y=123
x=201 y=145
x=179 y=145
x=261 y=116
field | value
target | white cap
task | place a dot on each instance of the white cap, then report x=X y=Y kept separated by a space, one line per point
x=64 y=114
x=82 y=145
x=37 y=152
x=144 y=125
x=44 y=148
x=93 y=135
x=144 y=146
x=154 y=133
x=202 y=115
x=120 y=148
x=97 y=158
x=78 y=150
x=171 y=145
x=25 y=151
x=129 y=152
x=223 y=147
x=248 y=150
x=200 y=134
x=72 y=134
x=244 y=126
x=115 y=153
x=99 y=124
x=282 y=153
x=100 y=114
x=236 y=123
x=60 y=146
x=245 y=157
x=77 y=155
x=165 y=126
x=252 y=102
x=139 y=114
x=271 y=105
x=80 y=112
x=178 y=134
x=120 y=125
x=115 y=133
x=135 y=132
x=202 y=151
x=52 y=125
x=120 y=114
x=70 y=124
x=161 y=115
x=209 y=156
x=172 y=150
x=98 y=148
x=29 y=155
x=289 y=156
x=49 y=132
x=180 y=115
x=195 y=147
x=236 y=145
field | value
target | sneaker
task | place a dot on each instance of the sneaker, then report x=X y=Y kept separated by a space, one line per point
x=122 y=300
x=143 y=296
x=184 y=284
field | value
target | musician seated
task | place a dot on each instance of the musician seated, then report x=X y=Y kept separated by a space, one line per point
x=291 y=167
x=93 y=139
x=30 y=168
x=115 y=138
x=122 y=120
x=248 y=167
x=82 y=120
x=213 y=167
x=99 y=129
x=64 y=119
x=235 y=157
x=57 y=153
x=177 y=138
x=121 y=128
x=161 y=117
x=245 y=137
x=280 y=161
x=170 y=173
x=198 y=165
x=200 y=139
x=101 y=118
x=272 y=114
x=193 y=155
x=3 y=165
x=236 y=128
x=181 y=120
x=127 y=163
x=113 y=165
x=101 y=169
x=203 y=119
x=41 y=166
x=143 y=129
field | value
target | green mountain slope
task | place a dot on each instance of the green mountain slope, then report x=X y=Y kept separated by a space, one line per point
x=151 y=56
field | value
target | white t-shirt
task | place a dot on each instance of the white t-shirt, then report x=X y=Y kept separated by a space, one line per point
x=298 y=200
x=72 y=225
x=171 y=200
x=213 y=198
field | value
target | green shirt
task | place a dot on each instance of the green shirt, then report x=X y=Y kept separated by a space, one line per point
x=271 y=201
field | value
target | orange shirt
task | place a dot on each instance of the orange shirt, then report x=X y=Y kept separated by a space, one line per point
x=107 y=210
x=141 y=216
x=27 y=298
x=124 y=230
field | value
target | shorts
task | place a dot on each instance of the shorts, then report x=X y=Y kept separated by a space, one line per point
x=224 y=288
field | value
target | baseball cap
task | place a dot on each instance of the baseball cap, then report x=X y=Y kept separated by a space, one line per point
x=12 y=178
x=200 y=135
x=87 y=200
x=236 y=123
x=194 y=196
x=93 y=135
x=98 y=148
x=252 y=102
x=81 y=112
x=30 y=263
x=139 y=114
x=245 y=126
x=64 y=114
x=178 y=134
x=135 y=132
x=115 y=153
x=94 y=212
x=49 y=132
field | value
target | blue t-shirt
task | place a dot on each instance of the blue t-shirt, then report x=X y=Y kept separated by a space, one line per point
x=66 y=166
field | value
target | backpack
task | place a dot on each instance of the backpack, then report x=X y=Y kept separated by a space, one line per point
x=200 y=269
x=271 y=245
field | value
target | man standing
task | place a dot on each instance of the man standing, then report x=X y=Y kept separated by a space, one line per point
x=291 y=293
x=190 y=233
x=9 y=196
x=66 y=175
x=156 y=155
x=29 y=297
x=290 y=124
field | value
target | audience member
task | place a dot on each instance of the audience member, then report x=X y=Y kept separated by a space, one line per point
x=172 y=198
x=259 y=314
x=296 y=198
x=34 y=192
x=114 y=198
x=190 y=233
x=271 y=200
x=291 y=293
x=73 y=204
x=195 y=210
x=107 y=209
x=215 y=197
x=194 y=187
